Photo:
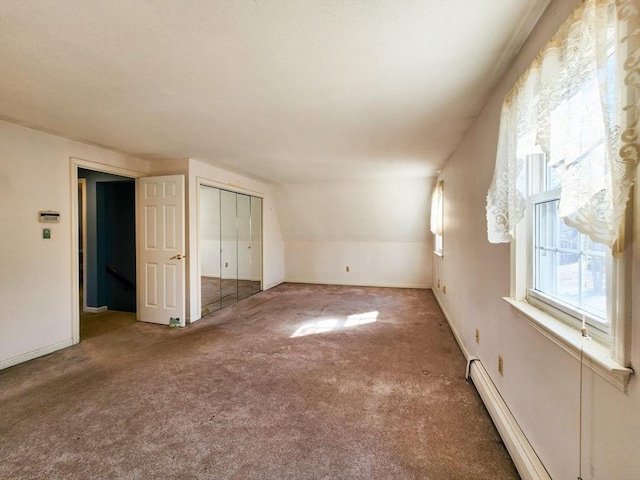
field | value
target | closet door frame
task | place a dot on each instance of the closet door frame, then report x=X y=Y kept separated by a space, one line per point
x=201 y=181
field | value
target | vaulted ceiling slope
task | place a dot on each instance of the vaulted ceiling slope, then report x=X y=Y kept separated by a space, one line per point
x=285 y=91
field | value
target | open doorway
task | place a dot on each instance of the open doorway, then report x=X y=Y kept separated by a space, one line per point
x=106 y=252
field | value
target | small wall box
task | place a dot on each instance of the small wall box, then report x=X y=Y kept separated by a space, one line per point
x=49 y=217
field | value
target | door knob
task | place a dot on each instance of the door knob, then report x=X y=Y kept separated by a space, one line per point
x=178 y=257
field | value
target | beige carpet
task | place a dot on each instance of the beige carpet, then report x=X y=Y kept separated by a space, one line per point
x=96 y=324
x=298 y=382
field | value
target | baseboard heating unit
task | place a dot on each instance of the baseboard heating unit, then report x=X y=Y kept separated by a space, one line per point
x=524 y=457
x=522 y=453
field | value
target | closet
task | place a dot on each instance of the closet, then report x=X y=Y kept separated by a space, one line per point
x=230 y=247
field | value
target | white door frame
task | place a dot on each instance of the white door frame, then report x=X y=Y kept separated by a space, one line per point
x=76 y=163
x=82 y=184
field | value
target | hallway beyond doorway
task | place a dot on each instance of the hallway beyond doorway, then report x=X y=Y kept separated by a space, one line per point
x=101 y=323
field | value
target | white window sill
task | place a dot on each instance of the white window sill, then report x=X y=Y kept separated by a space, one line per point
x=595 y=356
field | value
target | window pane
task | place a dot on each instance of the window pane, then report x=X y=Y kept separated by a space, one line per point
x=438 y=246
x=568 y=265
x=552 y=179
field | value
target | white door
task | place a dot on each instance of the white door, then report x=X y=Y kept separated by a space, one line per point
x=161 y=256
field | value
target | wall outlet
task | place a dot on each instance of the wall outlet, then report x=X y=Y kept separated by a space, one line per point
x=477 y=336
x=46 y=233
x=500 y=365
x=346 y=269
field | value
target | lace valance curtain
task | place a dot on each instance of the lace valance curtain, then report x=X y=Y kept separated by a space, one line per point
x=578 y=103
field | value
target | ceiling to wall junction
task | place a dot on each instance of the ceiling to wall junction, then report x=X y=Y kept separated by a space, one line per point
x=284 y=91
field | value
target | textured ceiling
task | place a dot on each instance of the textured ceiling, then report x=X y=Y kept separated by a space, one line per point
x=285 y=91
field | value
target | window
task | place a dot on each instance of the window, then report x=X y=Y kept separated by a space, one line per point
x=566 y=162
x=568 y=271
x=437 y=214
x=438 y=245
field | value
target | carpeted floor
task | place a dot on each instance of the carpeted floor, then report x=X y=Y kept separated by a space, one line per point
x=96 y=324
x=298 y=382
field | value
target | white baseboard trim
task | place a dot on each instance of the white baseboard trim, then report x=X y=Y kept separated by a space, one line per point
x=272 y=285
x=101 y=309
x=358 y=284
x=453 y=329
x=522 y=453
x=10 y=362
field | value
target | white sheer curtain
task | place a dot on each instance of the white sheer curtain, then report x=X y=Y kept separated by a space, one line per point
x=579 y=103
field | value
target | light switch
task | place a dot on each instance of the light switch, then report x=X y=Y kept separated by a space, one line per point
x=46 y=233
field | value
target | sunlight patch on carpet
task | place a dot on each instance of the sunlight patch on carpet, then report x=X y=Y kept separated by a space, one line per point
x=324 y=325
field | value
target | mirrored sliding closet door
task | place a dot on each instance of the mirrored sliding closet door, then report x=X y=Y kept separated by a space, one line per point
x=230 y=247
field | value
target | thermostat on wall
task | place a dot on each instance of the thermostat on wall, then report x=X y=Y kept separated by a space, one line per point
x=49 y=217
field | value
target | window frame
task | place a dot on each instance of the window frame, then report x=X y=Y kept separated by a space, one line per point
x=539 y=192
x=608 y=355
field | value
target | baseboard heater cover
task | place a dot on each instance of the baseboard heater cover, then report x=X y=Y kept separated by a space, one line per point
x=524 y=457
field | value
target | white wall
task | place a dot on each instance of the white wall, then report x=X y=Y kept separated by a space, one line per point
x=379 y=229
x=35 y=274
x=541 y=381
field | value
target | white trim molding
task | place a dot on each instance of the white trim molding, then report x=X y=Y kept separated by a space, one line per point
x=74 y=164
x=418 y=286
x=465 y=352
x=101 y=309
x=595 y=356
x=10 y=362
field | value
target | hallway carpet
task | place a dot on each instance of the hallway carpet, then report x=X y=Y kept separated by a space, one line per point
x=96 y=324
x=298 y=382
